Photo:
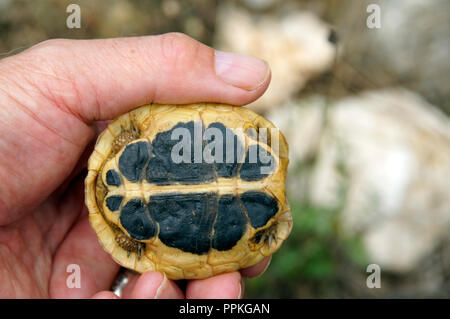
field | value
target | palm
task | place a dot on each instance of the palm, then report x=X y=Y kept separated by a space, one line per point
x=26 y=257
x=36 y=248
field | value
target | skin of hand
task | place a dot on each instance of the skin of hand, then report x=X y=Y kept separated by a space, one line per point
x=54 y=99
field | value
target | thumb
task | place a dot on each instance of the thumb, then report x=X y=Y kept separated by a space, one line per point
x=100 y=79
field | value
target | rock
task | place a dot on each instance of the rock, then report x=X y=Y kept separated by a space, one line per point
x=413 y=43
x=410 y=49
x=385 y=157
x=296 y=45
x=260 y=4
x=301 y=122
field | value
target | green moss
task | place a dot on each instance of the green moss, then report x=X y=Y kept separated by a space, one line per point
x=310 y=260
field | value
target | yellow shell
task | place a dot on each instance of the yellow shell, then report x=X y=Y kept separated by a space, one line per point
x=144 y=124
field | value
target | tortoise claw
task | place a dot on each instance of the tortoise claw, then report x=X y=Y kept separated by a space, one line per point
x=272 y=237
x=129 y=244
x=266 y=236
x=262 y=240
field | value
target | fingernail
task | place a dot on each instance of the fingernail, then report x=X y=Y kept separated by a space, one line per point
x=161 y=287
x=241 y=71
x=241 y=283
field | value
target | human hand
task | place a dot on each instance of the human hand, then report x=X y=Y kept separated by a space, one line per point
x=54 y=99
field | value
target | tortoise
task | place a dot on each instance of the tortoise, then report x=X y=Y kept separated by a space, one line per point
x=191 y=191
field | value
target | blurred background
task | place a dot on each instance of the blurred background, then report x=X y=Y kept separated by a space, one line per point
x=361 y=91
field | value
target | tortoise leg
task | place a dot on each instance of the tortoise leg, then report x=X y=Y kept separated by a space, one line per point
x=125 y=137
x=266 y=236
x=129 y=244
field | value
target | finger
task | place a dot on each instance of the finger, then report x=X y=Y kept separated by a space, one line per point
x=258 y=269
x=99 y=127
x=154 y=285
x=131 y=283
x=223 y=286
x=100 y=79
x=59 y=87
x=61 y=213
x=105 y=295
x=80 y=166
x=96 y=268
